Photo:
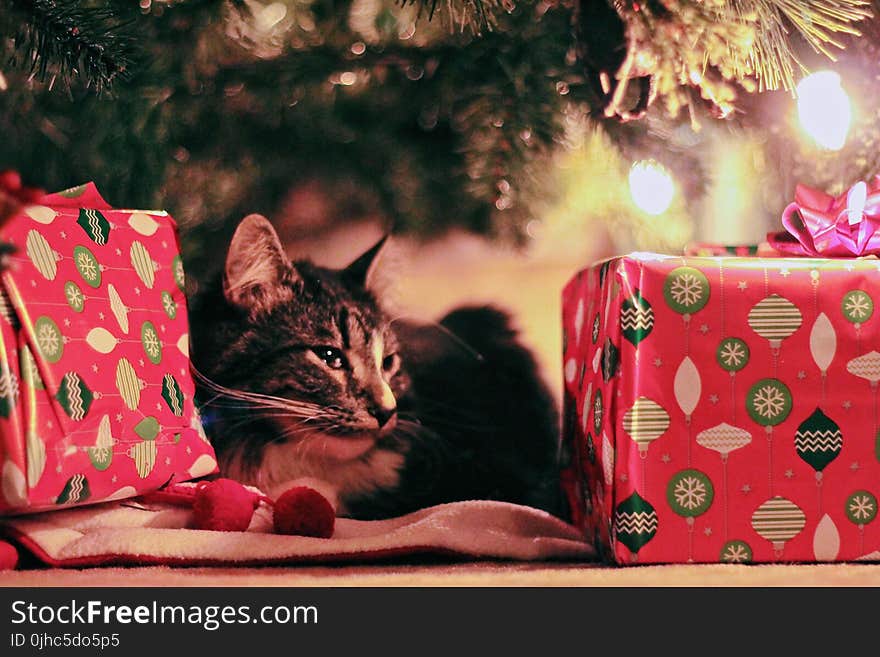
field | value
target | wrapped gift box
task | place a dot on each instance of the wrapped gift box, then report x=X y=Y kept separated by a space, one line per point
x=724 y=409
x=96 y=397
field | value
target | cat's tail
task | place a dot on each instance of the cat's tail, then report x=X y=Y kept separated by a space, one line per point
x=481 y=329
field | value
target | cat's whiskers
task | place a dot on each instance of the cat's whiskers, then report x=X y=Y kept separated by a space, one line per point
x=255 y=399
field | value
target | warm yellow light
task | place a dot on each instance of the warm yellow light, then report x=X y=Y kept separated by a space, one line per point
x=651 y=186
x=824 y=109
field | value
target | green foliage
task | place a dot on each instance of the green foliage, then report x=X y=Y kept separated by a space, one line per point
x=216 y=108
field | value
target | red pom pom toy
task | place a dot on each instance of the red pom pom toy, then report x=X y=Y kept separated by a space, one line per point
x=227 y=506
x=224 y=505
x=8 y=556
x=303 y=511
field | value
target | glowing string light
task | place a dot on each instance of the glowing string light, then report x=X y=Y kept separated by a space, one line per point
x=651 y=187
x=824 y=109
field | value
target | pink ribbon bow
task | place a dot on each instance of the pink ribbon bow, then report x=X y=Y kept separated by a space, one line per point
x=829 y=227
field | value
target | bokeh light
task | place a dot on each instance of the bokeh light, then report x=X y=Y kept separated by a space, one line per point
x=651 y=186
x=824 y=109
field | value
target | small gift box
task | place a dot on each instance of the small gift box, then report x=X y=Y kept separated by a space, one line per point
x=96 y=397
x=724 y=407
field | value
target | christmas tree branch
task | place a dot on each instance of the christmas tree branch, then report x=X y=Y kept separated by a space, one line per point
x=473 y=15
x=62 y=39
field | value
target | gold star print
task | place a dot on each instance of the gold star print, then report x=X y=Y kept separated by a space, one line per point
x=854 y=466
x=708 y=531
x=666 y=458
x=658 y=362
x=704 y=329
x=742 y=285
x=784 y=272
x=119 y=252
x=789 y=474
x=119 y=417
x=746 y=488
x=101 y=316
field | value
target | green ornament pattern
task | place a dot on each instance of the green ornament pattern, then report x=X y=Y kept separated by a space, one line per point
x=736 y=552
x=30 y=375
x=74 y=396
x=775 y=318
x=148 y=428
x=591 y=449
x=686 y=290
x=861 y=507
x=151 y=343
x=101 y=454
x=75 y=490
x=179 y=275
x=690 y=493
x=87 y=265
x=857 y=307
x=144 y=456
x=598 y=412
x=75 y=297
x=635 y=522
x=169 y=305
x=732 y=354
x=596 y=324
x=636 y=318
x=818 y=440
x=610 y=360
x=95 y=226
x=172 y=394
x=50 y=342
x=8 y=392
x=769 y=402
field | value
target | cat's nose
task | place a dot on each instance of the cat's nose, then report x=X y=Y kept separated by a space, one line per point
x=384 y=415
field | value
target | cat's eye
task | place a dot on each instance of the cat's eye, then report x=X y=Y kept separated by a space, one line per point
x=390 y=363
x=332 y=357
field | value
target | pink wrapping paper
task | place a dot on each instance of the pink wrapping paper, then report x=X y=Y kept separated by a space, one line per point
x=96 y=397
x=724 y=408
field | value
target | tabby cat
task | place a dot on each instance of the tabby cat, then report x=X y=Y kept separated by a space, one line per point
x=303 y=378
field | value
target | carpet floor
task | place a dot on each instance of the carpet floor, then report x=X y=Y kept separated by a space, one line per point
x=459 y=574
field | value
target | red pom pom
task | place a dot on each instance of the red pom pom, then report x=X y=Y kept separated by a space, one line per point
x=8 y=556
x=224 y=505
x=303 y=511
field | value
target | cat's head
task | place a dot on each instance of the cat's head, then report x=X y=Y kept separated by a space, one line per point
x=314 y=341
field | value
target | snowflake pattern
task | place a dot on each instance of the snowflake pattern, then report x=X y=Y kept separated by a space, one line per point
x=151 y=343
x=736 y=552
x=732 y=354
x=862 y=507
x=690 y=493
x=74 y=296
x=857 y=306
x=686 y=289
x=769 y=402
x=87 y=266
x=48 y=339
x=170 y=306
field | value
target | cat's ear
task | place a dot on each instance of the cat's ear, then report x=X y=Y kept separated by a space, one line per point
x=256 y=265
x=363 y=269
